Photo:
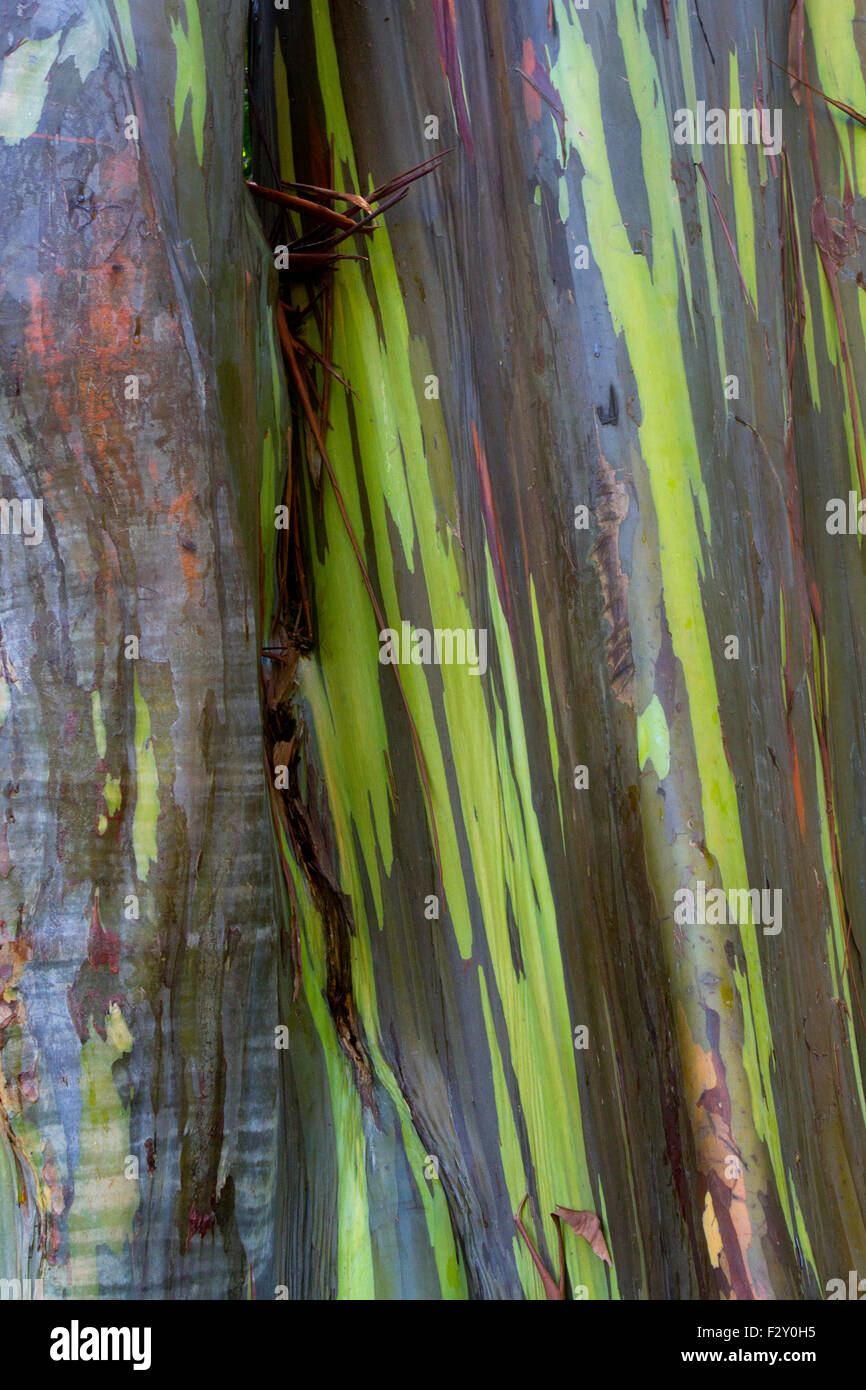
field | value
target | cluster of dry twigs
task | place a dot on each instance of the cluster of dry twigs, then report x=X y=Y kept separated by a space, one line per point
x=313 y=253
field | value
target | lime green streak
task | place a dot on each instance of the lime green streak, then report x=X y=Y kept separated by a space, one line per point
x=548 y=707
x=654 y=739
x=828 y=313
x=98 y=724
x=147 y=789
x=191 y=74
x=24 y=87
x=354 y=1245
x=837 y=52
x=668 y=232
x=743 y=210
x=509 y=1143
x=648 y=312
x=684 y=46
x=648 y=303
x=105 y=1199
x=344 y=695
x=112 y=788
x=113 y=795
x=563 y=203
x=124 y=24
x=535 y=1007
x=284 y=118
x=802 y=1233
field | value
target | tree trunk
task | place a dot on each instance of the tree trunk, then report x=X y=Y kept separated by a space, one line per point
x=600 y=401
x=685 y=1116
x=139 y=1136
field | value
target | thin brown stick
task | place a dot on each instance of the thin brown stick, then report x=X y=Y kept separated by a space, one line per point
x=842 y=106
x=330 y=193
x=555 y=1292
x=290 y=200
x=729 y=238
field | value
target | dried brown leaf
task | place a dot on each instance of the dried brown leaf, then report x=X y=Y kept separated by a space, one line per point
x=586 y=1224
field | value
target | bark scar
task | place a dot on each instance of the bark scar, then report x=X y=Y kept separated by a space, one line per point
x=611 y=510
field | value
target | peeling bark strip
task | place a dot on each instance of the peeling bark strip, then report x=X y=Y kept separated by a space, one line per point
x=307 y=843
x=449 y=52
x=611 y=510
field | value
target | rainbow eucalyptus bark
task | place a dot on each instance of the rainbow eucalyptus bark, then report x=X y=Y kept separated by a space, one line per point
x=138 y=937
x=601 y=400
x=571 y=323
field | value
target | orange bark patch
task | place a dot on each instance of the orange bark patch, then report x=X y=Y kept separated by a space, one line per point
x=14 y=955
x=41 y=344
x=531 y=98
x=6 y=865
x=182 y=511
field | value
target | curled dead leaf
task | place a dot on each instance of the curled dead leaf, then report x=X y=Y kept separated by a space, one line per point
x=586 y=1224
